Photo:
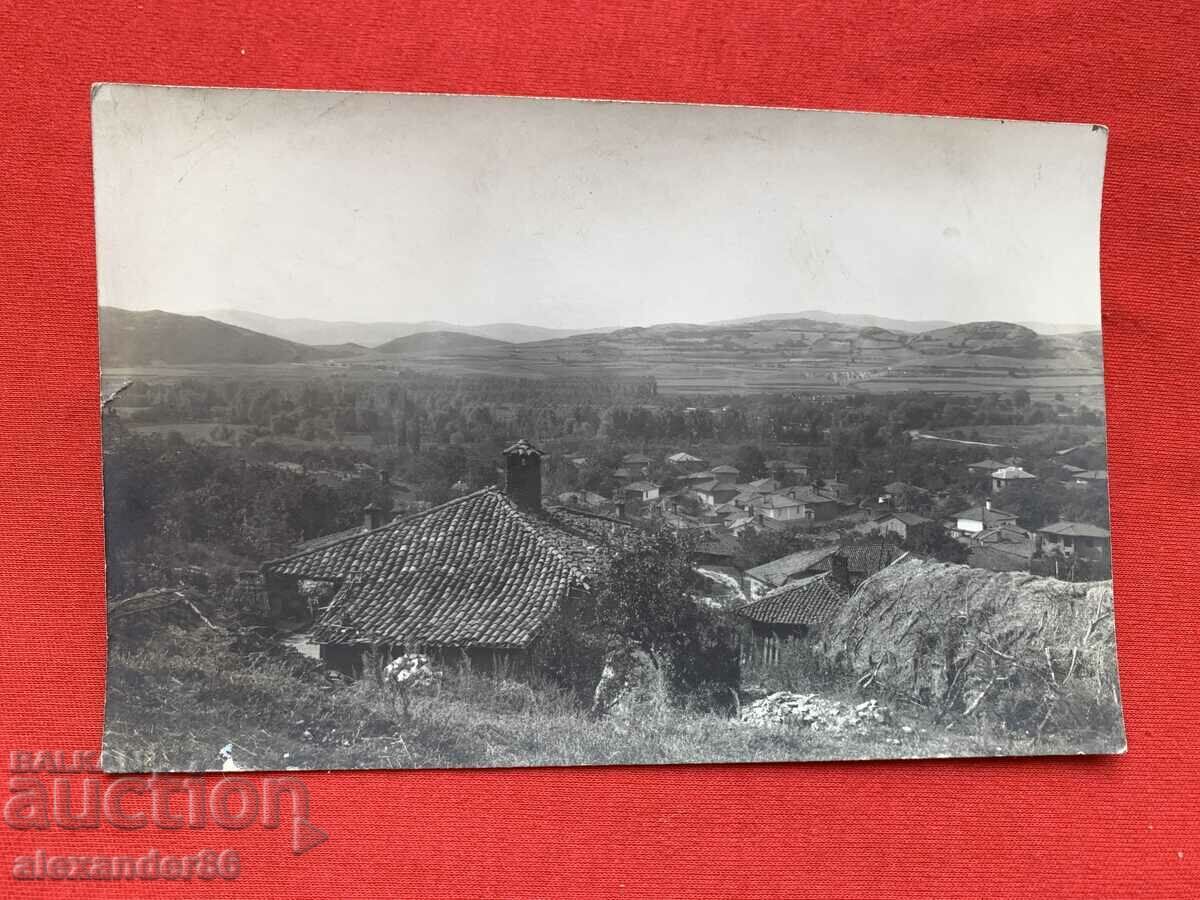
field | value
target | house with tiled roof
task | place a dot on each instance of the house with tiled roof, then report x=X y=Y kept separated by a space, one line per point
x=985 y=467
x=1078 y=539
x=480 y=575
x=1010 y=475
x=780 y=571
x=714 y=493
x=861 y=560
x=791 y=612
x=814 y=506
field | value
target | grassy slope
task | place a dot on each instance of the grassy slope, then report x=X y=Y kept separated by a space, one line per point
x=171 y=707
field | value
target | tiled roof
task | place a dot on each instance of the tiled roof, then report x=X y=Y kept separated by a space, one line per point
x=811 y=601
x=1093 y=475
x=1075 y=529
x=726 y=470
x=476 y=571
x=864 y=560
x=777 y=571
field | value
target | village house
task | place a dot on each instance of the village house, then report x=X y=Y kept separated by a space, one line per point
x=477 y=576
x=791 y=612
x=1008 y=476
x=802 y=564
x=779 y=507
x=835 y=488
x=814 y=506
x=714 y=493
x=637 y=462
x=726 y=474
x=642 y=491
x=906 y=525
x=626 y=474
x=1091 y=477
x=978 y=518
x=1077 y=539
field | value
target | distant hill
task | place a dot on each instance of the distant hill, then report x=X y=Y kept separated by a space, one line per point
x=903 y=325
x=372 y=334
x=147 y=337
x=438 y=342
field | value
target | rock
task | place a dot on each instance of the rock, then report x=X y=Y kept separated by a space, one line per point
x=813 y=711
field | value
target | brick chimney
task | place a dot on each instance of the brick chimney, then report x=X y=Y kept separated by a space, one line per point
x=373 y=516
x=839 y=568
x=523 y=475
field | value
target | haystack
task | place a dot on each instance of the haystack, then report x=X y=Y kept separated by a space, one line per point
x=1033 y=653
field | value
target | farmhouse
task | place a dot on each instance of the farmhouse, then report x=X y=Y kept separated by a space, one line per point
x=479 y=575
x=1076 y=539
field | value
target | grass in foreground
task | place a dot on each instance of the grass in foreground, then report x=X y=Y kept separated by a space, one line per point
x=173 y=704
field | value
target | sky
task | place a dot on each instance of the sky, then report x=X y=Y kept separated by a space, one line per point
x=585 y=214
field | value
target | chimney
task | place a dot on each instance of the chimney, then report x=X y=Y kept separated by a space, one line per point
x=372 y=516
x=839 y=567
x=523 y=475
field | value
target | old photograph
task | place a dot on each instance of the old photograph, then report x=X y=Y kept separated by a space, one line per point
x=462 y=431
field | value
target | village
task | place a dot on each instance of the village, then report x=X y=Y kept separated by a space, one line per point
x=554 y=568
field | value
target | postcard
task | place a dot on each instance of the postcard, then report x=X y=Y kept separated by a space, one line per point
x=463 y=431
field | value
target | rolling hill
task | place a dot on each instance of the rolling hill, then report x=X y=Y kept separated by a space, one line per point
x=437 y=342
x=131 y=338
x=371 y=334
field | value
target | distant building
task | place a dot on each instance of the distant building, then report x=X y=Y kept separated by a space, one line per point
x=714 y=493
x=683 y=458
x=1009 y=476
x=1078 y=539
x=625 y=474
x=838 y=489
x=643 y=491
x=1091 y=477
x=977 y=518
x=779 y=507
x=726 y=474
x=814 y=506
x=905 y=524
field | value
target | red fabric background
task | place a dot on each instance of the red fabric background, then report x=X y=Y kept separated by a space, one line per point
x=1086 y=827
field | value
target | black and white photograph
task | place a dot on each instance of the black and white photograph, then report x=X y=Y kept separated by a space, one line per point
x=463 y=431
